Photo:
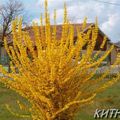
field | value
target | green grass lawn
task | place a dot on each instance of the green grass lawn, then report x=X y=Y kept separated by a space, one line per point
x=106 y=100
x=111 y=96
x=9 y=97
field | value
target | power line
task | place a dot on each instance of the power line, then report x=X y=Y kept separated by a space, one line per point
x=111 y=3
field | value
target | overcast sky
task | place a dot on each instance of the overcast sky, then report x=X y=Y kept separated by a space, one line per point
x=108 y=14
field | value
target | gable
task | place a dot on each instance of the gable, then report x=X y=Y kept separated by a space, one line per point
x=59 y=33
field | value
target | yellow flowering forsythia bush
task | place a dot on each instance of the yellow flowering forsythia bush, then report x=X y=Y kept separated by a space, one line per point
x=54 y=77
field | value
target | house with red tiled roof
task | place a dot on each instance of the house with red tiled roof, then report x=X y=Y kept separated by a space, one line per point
x=4 y=59
x=118 y=46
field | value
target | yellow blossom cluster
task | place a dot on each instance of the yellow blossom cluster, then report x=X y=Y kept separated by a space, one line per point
x=51 y=73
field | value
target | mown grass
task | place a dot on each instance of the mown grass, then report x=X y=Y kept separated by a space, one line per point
x=108 y=99
x=10 y=98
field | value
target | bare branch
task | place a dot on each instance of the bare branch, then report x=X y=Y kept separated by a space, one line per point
x=8 y=12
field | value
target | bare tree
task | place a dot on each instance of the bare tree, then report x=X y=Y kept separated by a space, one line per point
x=8 y=12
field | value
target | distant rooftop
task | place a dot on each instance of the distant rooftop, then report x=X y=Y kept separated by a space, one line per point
x=117 y=44
x=29 y=29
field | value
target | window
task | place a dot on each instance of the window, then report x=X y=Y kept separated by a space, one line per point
x=4 y=58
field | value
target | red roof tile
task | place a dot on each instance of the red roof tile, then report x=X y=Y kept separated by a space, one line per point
x=58 y=31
